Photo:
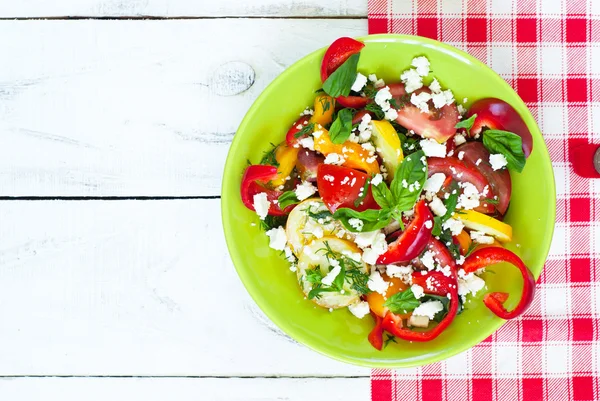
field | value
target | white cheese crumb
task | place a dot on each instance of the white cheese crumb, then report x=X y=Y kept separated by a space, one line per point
x=437 y=206
x=469 y=199
x=497 y=161
x=359 y=309
x=427 y=260
x=421 y=100
x=422 y=65
x=334 y=158
x=380 y=83
x=461 y=110
x=412 y=80
x=305 y=190
x=417 y=290
x=461 y=155
x=308 y=143
x=455 y=226
x=261 y=205
x=433 y=149
x=481 y=238
x=439 y=100
x=368 y=146
x=428 y=224
x=429 y=309
x=398 y=271
x=357 y=224
x=289 y=255
x=435 y=87
x=478 y=162
x=391 y=114
x=376 y=283
x=435 y=182
x=459 y=139
x=378 y=247
x=328 y=177
x=377 y=179
x=469 y=284
x=383 y=97
x=364 y=128
x=372 y=77
x=333 y=273
x=317 y=134
x=449 y=96
x=359 y=82
x=277 y=238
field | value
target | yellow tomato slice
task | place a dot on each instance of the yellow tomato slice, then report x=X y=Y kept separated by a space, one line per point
x=486 y=224
x=388 y=145
x=324 y=107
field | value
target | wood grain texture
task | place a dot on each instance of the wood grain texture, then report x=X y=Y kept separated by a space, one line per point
x=182 y=8
x=188 y=389
x=136 y=108
x=133 y=288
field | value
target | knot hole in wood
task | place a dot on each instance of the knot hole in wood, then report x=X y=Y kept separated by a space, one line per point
x=232 y=78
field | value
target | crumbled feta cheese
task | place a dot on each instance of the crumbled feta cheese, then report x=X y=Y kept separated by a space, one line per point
x=293 y=268
x=461 y=155
x=365 y=239
x=364 y=128
x=478 y=162
x=333 y=273
x=434 y=183
x=380 y=83
x=318 y=232
x=307 y=112
x=383 y=97
x=437 y=206
x=372 y=77
x=422 y=65
x=277 y=238
x=433 y=149
x=261 y=205
x=439 y=100
x=359 y=82
x=449 y=96
x=289 y=255
x=421 y=100
x=378 y=248
x=359 y=309
x=469 y=284
x=391 y=114
x=459 y=139
x=376 y=283
x=371 y=159
x=469 y=199
x=429 y=224
x=460 y=260
x=497 y=161
x=455 y=226
x=461 y=110
x=435 y=87
x=305 y=190
x=317 y=134
x=377 y=179
x=417 y=290
x=429 y=309
x=355 y=223
x=345 y=180
x=308 y=143
x=368 y=146
x=427 y=260
x=334 y=158
x=398 y=271
x=355 y=256
x=481 y=238
x=353 y=138
x=328 y=177
x=412 y=80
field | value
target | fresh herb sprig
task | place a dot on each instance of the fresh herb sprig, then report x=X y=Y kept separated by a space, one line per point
x=341 y=80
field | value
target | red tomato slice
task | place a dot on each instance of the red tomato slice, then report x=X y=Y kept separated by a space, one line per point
x=308 y=164
x=353 y=102
x=437 y=123
x=290 y=137
x=497 y=114
x=338 y=52
x=460 y=172
x=499 y=180
x=340 y=187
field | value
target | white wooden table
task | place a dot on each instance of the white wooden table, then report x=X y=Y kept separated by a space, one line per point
x=115 y=120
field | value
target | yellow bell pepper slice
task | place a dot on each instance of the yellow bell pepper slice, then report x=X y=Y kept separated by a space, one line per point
x=324 y=107
x=286 y=156
x=486 y=224
x=355 y=155
x=388 y=145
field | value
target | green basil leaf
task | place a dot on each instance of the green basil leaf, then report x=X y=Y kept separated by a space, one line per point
x=402 y=302
x=508 y=144
x=342 y=79
x=383 y=196
x=342 y=127
x=372 y=219
x=437 y=226
x=467 y=124
x=452 y=201
x=445 y=303
x=286 y=199
x=411 y=170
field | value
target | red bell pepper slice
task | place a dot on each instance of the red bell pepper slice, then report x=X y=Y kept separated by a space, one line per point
x=250 y=186
x=413 y=240
x=376 y=335
x=495 y=300
x=337 y=53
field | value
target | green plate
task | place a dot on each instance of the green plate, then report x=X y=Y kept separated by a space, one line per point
x=266 y=275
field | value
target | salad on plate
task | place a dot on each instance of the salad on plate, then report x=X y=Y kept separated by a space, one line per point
x=388 y=198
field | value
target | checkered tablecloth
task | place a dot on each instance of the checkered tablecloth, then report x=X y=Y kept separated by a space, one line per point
x=549 y=51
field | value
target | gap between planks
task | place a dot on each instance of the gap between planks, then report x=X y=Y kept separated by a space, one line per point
x=153 y=17
x=282 y=377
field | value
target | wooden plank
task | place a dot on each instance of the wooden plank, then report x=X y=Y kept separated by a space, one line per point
x=133 y=288
x=126 y=108
x=182 y=8
x=185 y=389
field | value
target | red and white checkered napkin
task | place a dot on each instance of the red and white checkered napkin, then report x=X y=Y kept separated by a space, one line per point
x=549 y=51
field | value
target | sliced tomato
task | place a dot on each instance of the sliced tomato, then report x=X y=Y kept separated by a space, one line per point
x=290 y=137
x=499 y=180
x=451 y=166
x=308 y=163
x=337 y=53
x=497 y=114
x=340 y=187
x=353 y=102
x=437 y=123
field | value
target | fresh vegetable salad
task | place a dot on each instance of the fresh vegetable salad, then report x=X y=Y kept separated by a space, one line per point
x=388 y=198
